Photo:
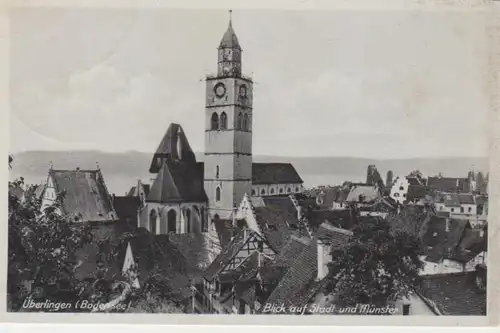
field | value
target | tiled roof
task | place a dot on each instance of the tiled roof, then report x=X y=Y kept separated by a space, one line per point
x=467 y=199
x=455 y=294
x=224 y=229
x=417 y=192
x=86 y=194
x=173 y=140
x=290 y=251
x=448 y=184
x=363 y=194
x=195 y=248
x=178 y=181
x=439 y=243
x=277 y=220
x=299 y=283
x=133 y=190
x=336 y=218
x=274 y=173
x=481 y=199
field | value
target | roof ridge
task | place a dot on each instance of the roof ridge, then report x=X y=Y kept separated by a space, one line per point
x=332 y=228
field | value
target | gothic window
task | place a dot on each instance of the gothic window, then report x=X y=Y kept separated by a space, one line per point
x=246 y=124
x=253 y=193
x=172 y=221
x=188 y=221
x=217 y=172
x=281 y=191
x=215 y=121
x=223 y=121
x=296 y=189
x=217 y=194
x=239 y=124
x=263 y=192
x=288 y=190
x=152 y=222
x=272 y=191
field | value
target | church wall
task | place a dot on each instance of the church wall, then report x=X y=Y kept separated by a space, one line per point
x=227 y=99
x=276 y=189
x=180 y=211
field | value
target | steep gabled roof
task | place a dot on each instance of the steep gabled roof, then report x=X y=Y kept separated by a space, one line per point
x=274 y=173
x=178 y=181
x=439 y=243
x=87 y=197
x=277 y=220
x=299 y=283
x=173 y=146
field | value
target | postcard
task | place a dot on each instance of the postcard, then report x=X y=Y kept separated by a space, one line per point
x=253 y=162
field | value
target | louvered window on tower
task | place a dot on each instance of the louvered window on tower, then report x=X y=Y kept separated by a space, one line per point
x=223 y=121
x=214 y=121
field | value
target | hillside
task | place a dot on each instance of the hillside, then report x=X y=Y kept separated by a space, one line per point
x=121 y=170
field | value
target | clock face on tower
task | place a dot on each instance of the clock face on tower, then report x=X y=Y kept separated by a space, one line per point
x=220 y=89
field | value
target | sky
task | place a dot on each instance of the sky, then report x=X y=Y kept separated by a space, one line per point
x=377 y=84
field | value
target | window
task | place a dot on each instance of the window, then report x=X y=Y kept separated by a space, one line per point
x=281 y=191
x=470 y=209
x=406 y=309
x=217 y=194
x=263 y=192
x=223 y=121
x=246 y=123
x=272 y=191
x=239 y=124
x=296 y=189
x=453 y=210
x=404 y=195
x=217 y=172
x=260 y=245
x=253 y=193
x=396 y=195
x=215 y=121
x=152 y=222
x=288 y=190
x=401 y=188
x=171 y=221
x=461 y=209
x=188 y=221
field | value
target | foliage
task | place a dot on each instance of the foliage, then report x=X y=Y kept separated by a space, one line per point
x=377 y=266
x=41 y=248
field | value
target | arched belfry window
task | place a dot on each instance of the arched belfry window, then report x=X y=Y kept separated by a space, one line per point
x=172 y=221
x=217 y=194
x=239 y=124
x=246 y=123
x=215 y=121
x=152 y=222
x=217 y=172
x=223 y=121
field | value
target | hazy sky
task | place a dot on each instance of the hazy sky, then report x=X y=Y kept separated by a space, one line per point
x=327 y=83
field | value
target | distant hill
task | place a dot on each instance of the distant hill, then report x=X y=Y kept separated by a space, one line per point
x=121 y=170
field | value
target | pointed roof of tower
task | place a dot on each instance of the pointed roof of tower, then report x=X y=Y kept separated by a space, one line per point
x=173 y=146
x=229 y=40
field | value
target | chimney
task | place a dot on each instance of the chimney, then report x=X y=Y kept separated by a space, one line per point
x=447 y=225
x=324 y=258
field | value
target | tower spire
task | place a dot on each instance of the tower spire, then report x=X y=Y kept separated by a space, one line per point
x=230 y=17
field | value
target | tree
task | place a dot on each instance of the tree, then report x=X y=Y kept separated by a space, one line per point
x=41 y=248
x=377 y=266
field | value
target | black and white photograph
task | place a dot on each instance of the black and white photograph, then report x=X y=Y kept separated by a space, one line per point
x=246 y=161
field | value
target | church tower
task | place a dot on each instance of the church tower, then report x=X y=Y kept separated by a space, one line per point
x=228 y=130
